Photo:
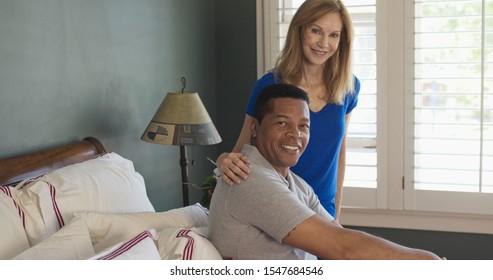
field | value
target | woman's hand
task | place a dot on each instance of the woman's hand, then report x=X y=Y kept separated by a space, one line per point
x=233 y=167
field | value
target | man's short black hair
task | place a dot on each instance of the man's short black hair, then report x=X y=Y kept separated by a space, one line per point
x=276 y=91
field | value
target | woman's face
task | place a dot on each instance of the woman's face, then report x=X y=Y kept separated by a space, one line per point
x=321 y=39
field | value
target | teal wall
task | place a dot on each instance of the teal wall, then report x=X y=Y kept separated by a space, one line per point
x=451 y=245
x=236 y=64
x=71 y=69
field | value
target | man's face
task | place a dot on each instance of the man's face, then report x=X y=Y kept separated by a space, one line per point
x=284 y=133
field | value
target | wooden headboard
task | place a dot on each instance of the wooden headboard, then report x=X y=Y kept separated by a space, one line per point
x=17 y=168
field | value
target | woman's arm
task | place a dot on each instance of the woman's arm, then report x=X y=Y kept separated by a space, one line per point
x=341 y=171
x=233 y=166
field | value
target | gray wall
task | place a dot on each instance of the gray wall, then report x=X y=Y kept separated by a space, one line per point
x=71 y=69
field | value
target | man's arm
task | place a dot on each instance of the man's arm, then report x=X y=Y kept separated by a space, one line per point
x=329 y=240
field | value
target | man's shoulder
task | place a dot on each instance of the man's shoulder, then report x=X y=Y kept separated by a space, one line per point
x=262 y=172
x=299 y=181
x=259 y=166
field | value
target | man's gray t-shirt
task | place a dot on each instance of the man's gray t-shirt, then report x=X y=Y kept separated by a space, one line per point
x=249 y=220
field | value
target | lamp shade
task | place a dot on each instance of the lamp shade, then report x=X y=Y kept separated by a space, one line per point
x=181 y=119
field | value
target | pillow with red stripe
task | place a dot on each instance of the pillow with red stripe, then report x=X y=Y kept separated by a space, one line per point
x=13 y=238
x=107 y=184
x=29 y=208
x=72 y=242
x=185 y=244
x=37 y=201
x=140 y=247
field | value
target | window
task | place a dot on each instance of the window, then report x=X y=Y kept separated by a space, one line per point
x=452 y=110
x=420 y=142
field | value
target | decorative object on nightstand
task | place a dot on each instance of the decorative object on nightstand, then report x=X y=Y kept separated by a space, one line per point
x=182 y=120
x=208 y=187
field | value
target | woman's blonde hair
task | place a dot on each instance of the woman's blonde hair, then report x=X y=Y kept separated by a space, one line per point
x=338 y=74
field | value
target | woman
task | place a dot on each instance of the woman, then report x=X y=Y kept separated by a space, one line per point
x=317 y=58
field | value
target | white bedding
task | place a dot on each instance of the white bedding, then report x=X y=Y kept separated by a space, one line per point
x=97 y=209
x=172 y=235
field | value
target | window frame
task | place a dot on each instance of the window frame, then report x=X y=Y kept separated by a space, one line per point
x=394 y=204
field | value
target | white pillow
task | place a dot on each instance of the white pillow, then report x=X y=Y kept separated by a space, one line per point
x=141 y=247
x=30 y=206
x=13 y=238
x=108 y=183
x=108 y=229
x=72 y=242
x=185 y=244
x=42 y=215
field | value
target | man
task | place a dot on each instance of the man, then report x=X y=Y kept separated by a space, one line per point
x=275 y=214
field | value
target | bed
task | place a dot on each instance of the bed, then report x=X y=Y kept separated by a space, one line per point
x=78 y=201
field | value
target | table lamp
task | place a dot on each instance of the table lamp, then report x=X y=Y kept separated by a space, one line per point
x=182 y=120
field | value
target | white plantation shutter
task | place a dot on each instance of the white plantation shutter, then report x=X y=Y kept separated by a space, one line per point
x=453 y=107
x=453 y=96
x=361 y=166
